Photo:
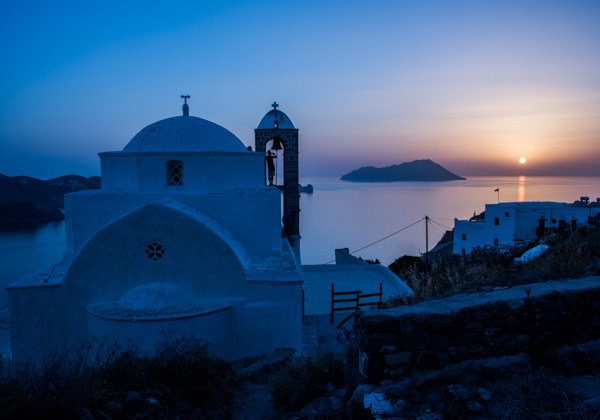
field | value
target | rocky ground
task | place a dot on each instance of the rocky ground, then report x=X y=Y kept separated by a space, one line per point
x=568 y=387
x=498 y=388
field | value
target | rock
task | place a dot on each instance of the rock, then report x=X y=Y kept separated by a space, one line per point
x=145 y=414
x=483 y=394
x=379 y=323
x=337 y=404
x=382 y=342
x=414 y=340
x=398 y=389
x=329 y=387
x=359 y=394
x=154 y=393
x=378 y=404
x=430 y=415
x=316 y=409
x=475 y=407
x=371 y=367
x=414 y=396
x=459 y=391
x=114 y=409
x=100 y=415
x=593 y=404
x=83 y=414
x=396 y=359
x=440 y=342
x=427 y=381
x=161 y=412
x=133 y=403
x=305 y=189
x=434 y=398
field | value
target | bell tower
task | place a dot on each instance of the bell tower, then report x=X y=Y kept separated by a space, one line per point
x=276 y=127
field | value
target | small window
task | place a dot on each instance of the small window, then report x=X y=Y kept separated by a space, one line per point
x=506 y=214
x=174 y=172
x=495 y=241
x=553 y=220
x=464 y=252
x=496 y=221
x=155 y=250
x=464 y=236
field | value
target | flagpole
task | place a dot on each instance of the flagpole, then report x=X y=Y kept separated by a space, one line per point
x=498 y=191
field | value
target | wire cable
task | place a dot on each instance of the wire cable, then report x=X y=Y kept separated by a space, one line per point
x=382 y=239
x=444 y=226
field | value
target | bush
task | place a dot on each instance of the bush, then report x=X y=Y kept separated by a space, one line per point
x=91 y=375
x=305 y=379
x=569 y=254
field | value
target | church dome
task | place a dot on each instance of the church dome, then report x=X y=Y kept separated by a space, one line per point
x=283 y=121
x=184 y=134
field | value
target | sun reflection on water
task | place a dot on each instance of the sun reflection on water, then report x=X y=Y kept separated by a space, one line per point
x=521 y=188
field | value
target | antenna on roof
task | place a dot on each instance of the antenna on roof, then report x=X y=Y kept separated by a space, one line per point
x=186 y=107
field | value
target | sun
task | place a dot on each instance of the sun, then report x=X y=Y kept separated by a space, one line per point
x=522 y=160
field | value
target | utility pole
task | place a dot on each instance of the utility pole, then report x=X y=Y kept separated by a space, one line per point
x=427 y=239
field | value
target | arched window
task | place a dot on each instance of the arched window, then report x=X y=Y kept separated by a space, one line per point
x=174 y=172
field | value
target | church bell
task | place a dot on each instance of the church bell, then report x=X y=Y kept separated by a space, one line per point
x=276 y=145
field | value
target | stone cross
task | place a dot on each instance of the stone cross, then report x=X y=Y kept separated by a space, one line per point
x=275 y=105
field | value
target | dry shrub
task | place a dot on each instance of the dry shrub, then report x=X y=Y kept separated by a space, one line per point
x=568 y=256
x=90 y=375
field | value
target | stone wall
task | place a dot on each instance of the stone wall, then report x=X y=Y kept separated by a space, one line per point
x=535 y=319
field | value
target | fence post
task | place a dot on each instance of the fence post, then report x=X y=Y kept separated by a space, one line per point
x=332 y=295
x=302 y=306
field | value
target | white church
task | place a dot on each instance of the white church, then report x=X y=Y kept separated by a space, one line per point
x=183 y=238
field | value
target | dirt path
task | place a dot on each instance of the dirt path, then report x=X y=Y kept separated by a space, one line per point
x=254 y=402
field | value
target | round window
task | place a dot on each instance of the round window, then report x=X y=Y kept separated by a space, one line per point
x=155 y=250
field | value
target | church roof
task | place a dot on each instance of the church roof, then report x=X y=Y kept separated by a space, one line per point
x=283 y=121
x=184 y=134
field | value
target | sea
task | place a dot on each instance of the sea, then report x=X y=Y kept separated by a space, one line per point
x=380 y=220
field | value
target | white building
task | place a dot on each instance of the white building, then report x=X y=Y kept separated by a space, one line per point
x=508 y=222
x=183 y=238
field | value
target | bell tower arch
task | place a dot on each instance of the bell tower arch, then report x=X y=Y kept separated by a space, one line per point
x=277 y=126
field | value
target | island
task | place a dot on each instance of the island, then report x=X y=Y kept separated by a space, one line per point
x=418 y=170
x=25 y=200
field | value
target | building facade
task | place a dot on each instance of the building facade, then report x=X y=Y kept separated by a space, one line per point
x=505 y=223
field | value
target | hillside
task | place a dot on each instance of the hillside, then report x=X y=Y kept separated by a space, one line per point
x=418 y=170
x=29 y=200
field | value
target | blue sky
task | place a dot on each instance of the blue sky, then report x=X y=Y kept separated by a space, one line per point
x=472 y=85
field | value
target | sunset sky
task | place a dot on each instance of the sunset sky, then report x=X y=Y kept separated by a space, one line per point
x=472 y=85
